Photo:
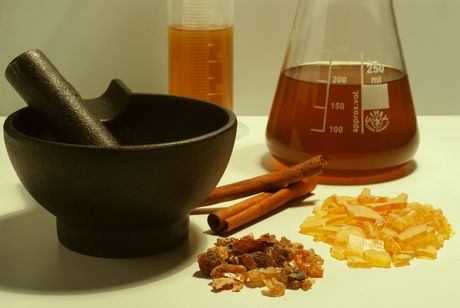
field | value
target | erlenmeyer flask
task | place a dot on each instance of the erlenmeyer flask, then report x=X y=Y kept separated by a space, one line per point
x=344 y=92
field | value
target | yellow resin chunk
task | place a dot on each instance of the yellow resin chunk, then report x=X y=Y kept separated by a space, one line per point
x=355 y=245
x=376 y=231
x=310 y=224
x=362 y=212
x=341 y=238
x=379 y=258
x=357 y=261
x=338 y=252
x=391 y=245
x=413 y=233
x=401 y=259
x=388 y=206
x=429 y=252
x=395 y=222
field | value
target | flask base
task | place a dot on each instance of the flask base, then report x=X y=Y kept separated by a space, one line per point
x=333 y=177
x=352 y=177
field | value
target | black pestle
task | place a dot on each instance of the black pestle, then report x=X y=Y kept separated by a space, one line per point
x=46 y=91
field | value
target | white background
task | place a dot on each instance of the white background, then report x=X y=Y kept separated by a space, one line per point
x=94 y=41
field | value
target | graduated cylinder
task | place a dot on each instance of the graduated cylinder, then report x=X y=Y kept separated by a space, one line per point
x=201 y=50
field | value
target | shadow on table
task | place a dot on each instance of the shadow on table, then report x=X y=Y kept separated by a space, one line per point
x=33 y=261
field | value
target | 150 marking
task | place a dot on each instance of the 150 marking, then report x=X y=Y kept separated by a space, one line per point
x=337 y=105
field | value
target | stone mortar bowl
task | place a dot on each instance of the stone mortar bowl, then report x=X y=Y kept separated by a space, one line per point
x=135 y=199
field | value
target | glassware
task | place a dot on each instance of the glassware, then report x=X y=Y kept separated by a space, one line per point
x=344 y=92
x=201 y=49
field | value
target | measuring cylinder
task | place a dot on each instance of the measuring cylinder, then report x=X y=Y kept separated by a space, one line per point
x=201 y=50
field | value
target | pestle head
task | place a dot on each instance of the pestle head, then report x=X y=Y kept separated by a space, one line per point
x=46 y=91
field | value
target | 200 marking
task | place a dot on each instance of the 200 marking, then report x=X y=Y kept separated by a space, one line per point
x=339 y=79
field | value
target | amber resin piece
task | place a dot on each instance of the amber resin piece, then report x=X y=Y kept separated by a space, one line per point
x=275 y=288
x=266 y=262
x=377 y=231
x=226 y=283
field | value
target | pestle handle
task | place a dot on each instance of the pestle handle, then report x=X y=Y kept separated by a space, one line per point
x=46 y=91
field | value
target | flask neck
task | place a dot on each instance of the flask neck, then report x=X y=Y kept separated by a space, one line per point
x=345 y=31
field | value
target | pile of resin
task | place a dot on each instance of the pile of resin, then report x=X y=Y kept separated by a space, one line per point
x=264 y=262
x=376 y=231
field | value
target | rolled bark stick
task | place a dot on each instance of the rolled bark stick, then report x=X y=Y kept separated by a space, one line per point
x=216 y=220
x=270 y=181
x=258 y=206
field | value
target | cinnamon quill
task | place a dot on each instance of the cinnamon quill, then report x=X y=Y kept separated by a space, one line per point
x=228 y=219
x=267 y=182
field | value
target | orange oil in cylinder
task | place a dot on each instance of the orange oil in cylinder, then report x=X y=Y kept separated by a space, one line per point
x=201 y=64
x=361 y=118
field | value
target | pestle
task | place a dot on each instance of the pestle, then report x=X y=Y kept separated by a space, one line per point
x=46 y=91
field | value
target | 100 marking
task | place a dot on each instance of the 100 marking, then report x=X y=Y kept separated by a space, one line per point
x=336 y=129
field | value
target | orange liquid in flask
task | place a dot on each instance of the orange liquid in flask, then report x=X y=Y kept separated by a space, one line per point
x=201 y=64
x=360 y=118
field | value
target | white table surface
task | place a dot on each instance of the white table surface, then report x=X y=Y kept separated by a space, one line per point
x=36 y=271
